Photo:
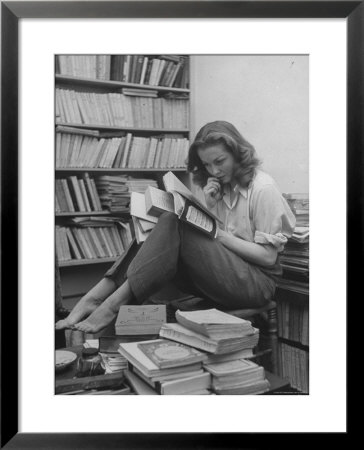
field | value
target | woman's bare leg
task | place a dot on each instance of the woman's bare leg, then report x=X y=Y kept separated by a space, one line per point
x=107 y=311
x=88 y=303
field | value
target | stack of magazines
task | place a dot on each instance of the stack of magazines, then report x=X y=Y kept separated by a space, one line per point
x=295 y=257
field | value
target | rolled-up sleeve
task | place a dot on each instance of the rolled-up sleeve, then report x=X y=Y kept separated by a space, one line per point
x=273 y=219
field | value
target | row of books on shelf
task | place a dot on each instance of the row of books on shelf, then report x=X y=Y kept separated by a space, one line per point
x=129 y=151
x=293 y=321
x=75 y=194
x=294 y=365
x=119 y=110
x=90 y=242
x=161 y=70
x=204 y=352
x=104 y=193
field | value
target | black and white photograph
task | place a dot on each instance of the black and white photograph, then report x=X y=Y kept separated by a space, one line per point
x=181 y=224
x=181 y=188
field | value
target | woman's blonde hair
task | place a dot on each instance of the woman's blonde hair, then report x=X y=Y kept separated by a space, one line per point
x=225 y=133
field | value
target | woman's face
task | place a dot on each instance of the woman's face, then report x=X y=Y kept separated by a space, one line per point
x=218 y=162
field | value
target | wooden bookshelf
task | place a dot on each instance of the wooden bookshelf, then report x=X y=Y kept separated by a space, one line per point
x=84 y=213
x=130 y=129
x=114 y=85
x=116 y=171
x=82 y=85
x=293 y=337
x=85 y=262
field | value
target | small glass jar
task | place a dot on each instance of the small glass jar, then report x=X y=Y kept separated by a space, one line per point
x=89 y=363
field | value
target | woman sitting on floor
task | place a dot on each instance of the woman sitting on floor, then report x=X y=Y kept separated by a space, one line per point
x=235 y=270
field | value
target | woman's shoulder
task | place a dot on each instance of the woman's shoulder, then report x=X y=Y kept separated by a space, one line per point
x=262 y=181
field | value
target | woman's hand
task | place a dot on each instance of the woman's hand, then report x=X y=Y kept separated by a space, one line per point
x=222 y=235
x=212 y=192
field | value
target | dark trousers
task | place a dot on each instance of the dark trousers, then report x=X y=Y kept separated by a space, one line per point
x=176 y=252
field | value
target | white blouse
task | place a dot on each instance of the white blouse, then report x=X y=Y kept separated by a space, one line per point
x=258 y=213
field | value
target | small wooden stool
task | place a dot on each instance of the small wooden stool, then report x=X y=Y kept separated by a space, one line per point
x=264 y=318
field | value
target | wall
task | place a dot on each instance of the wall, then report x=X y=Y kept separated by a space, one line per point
x=266 y=98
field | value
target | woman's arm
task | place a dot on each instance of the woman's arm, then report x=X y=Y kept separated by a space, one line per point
x=263 y=255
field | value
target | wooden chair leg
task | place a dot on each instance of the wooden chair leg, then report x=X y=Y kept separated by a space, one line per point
x=268 y=340
x=272 y=336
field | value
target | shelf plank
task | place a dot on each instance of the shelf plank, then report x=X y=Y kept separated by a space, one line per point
x=115 y=170
x=294 y=343
x=67 y=79
x=82 y=213
x=132 y=129
x=86 y=262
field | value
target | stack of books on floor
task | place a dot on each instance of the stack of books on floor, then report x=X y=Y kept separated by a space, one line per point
x=112 y=361
x=209 y=354
x=230 y=341
x=169 y=368
x=239 y=377
x=295 y=257
x=212 y=331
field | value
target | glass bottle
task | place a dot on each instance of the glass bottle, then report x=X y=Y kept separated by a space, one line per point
x=89 y=363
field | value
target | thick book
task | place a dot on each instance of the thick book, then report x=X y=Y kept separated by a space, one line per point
x=165 y=353
x=187 y=383
x=140 y=319
x=232 y=356
x=185 y=386
x=138 y=359
x=137 y=384
x=255 y=388
x=236 y=375
x=180 y=200
x=179 y=333
x=156 y=381
x=214 y=323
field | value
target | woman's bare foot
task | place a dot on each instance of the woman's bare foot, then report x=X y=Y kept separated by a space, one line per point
x=98 y=320
x=106 y=312
x=63 y=324
x=83 y=309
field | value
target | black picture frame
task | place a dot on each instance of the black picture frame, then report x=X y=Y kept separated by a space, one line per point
x=11 y=13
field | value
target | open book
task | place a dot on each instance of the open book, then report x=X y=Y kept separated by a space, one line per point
x=177 y=199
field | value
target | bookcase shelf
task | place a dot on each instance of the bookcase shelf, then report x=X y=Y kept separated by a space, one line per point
x=126 y=170
x=114 y=85
x=85 y=262
x=294 y=344
x=293 y=332
x=86 y=213
x=131 y=120
x=129 y=129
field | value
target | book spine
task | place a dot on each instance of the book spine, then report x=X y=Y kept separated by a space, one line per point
x=70 y=202
x=77 y=192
